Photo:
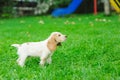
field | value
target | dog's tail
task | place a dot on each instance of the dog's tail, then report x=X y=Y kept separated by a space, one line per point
x=16 y=45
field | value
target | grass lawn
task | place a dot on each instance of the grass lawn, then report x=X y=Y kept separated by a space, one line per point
x=91 y=52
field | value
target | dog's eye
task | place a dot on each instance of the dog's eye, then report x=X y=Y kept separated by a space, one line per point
x=59 y=35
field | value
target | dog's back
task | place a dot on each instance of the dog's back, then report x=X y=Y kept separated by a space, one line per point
x=31 y=48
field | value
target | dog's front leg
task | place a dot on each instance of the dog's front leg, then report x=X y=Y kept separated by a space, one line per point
x=49 y=60
x=42 y=62
x=43 y=58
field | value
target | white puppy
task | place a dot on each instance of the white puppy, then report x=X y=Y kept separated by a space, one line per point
x=43 y=49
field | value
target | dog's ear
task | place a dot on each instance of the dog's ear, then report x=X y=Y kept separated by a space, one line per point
x=59 y=44
x=52 y=43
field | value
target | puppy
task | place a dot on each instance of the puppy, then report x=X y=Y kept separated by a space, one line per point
x=43 y=49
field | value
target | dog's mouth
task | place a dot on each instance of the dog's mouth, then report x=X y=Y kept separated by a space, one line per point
x=59 y=44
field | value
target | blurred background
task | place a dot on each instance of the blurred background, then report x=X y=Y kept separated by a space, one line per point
x=16 y=8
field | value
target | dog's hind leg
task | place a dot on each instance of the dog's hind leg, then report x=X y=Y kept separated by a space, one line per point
x=21 y=60
x=49 y=60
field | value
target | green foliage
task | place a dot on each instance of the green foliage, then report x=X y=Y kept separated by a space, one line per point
x=6 y=8
x=91 y=52
x=57 y=3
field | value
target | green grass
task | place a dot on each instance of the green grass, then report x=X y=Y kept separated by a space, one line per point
x=91 y=52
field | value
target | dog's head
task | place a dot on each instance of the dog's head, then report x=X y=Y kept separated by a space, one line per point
x=55 y=39
x=58 y=37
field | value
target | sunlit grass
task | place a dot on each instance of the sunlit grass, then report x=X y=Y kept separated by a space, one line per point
x=91 y=52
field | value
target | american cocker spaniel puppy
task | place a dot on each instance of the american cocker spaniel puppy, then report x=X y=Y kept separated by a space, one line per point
x=43 y=49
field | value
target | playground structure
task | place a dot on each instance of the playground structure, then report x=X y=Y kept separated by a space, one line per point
x=76 y=3
x=35 y=7
x=68 y=10
x=116 y=5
